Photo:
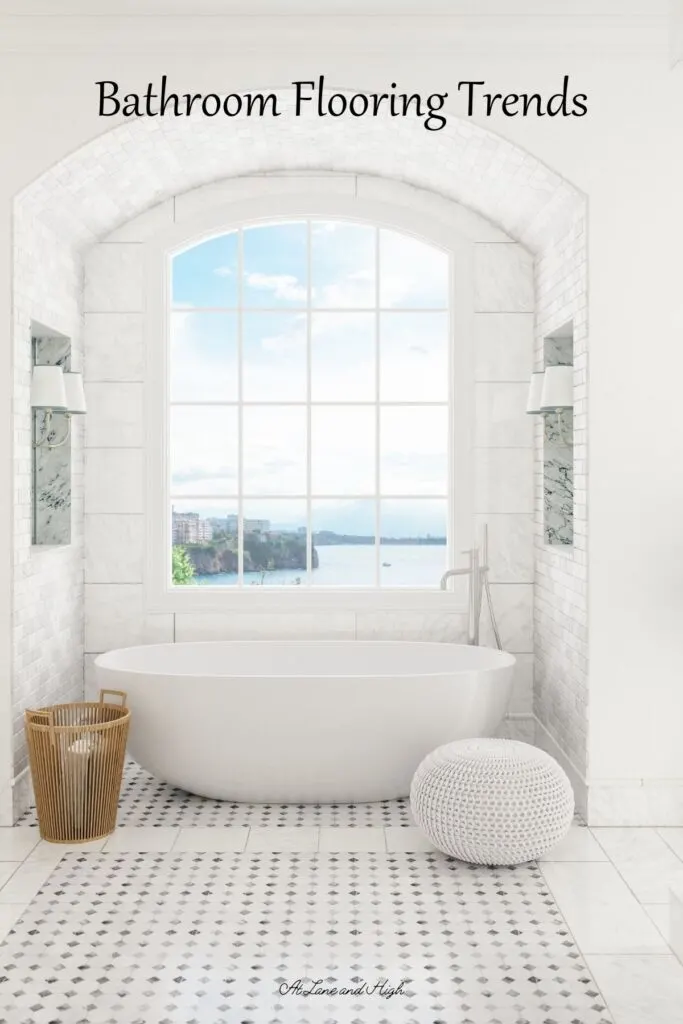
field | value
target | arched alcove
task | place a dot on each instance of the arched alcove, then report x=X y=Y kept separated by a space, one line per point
x=139 y=163
x=137 y=167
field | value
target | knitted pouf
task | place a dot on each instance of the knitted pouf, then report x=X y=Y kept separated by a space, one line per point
x=490 y=801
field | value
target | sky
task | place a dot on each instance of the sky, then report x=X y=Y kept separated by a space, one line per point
x=413 y=366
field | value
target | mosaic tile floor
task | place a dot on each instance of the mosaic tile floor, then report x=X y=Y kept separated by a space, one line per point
x=146 y=801
x=225 y=939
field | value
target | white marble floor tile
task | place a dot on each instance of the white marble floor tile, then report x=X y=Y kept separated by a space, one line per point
x=407 y=840
x=141 y=840
x=601 y=911
x=212 y=840
x=52 y=853
x=287 y=838
x=630 y=844
x=578 y=844
x=26 y=882
x=660 y=913
x=16 y=843
x=352 y=840
x=9 y=914
x=55 y=851
x=7 y=869
x=640 y=989
x=645 y=862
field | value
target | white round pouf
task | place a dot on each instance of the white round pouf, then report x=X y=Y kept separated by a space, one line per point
x=490 y=801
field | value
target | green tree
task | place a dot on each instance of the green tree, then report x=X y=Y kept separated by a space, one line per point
x=182 y=567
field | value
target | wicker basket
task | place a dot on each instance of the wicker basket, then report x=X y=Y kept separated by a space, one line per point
x=76 y=752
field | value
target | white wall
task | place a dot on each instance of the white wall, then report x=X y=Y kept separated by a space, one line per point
x=47 y=622
x=561 y=691
x=625 y=155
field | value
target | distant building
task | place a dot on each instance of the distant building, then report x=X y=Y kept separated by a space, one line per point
x=257 y=525
x=250 y=525
x=190 y=528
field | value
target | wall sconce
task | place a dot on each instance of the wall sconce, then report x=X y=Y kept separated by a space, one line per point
x=56 y=391
x=551 y=389
x=558 y=388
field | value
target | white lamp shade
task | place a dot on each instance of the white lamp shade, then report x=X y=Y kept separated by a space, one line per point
x=558 y=388
x=533 y=404
x=75 y=396
x=47 y=388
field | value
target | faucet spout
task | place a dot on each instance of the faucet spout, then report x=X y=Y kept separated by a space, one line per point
x=452 y=572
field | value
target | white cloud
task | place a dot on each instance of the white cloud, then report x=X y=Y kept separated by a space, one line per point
x=223 y=271
x=282 y=286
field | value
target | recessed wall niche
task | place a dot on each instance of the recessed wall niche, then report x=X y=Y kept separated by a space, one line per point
x=558 y=449
x=51 y=476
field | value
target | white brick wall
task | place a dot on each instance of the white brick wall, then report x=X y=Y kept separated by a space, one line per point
x=561 y=574
x=48 y=582
x=138 y=164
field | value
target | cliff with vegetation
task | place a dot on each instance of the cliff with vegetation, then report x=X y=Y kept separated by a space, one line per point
x=262 y=553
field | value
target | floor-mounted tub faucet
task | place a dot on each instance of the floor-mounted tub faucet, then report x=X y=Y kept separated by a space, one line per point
x=477 y=570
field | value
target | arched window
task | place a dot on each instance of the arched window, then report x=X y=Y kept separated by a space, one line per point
x=309 y=407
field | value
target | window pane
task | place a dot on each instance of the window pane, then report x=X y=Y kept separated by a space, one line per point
x=274 y=357
x=203 y=450
x=206 y=275
x=275 y=265
x=204 y=538
x=413 y=441
x=343 y=450
x=342 y=265
x=274 y=450
x=414 y=357
x=344 y=543
x=343 y=357
x=275 y=543
x=412 y=275
x=203 y=357
x=413 y=548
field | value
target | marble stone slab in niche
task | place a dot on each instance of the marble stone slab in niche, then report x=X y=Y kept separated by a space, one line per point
x=51 y=466
x=558 y=451
x=558 y=478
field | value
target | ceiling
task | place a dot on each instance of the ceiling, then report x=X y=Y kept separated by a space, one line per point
x=417 y=8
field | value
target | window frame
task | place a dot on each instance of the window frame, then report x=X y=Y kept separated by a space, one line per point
x=161 y=595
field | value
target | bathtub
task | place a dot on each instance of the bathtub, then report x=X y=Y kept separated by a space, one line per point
x=301 y=721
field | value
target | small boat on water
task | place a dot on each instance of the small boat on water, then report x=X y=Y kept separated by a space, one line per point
x=386 y=565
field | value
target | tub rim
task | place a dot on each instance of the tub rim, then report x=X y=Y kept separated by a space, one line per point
x=506 y=658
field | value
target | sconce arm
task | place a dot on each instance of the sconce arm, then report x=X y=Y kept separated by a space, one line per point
x=43 y=441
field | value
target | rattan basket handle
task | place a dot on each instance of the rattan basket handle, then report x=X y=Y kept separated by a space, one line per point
x=117 y=693
x=48 y=714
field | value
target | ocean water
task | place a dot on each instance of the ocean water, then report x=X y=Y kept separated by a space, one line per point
x=353 y=565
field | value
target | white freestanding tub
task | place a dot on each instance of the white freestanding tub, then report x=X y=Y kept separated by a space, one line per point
x=300 y=721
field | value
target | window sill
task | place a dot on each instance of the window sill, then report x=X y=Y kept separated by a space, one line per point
x=295 y=599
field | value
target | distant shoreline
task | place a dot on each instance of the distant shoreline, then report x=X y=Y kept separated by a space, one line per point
x=323 y=539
